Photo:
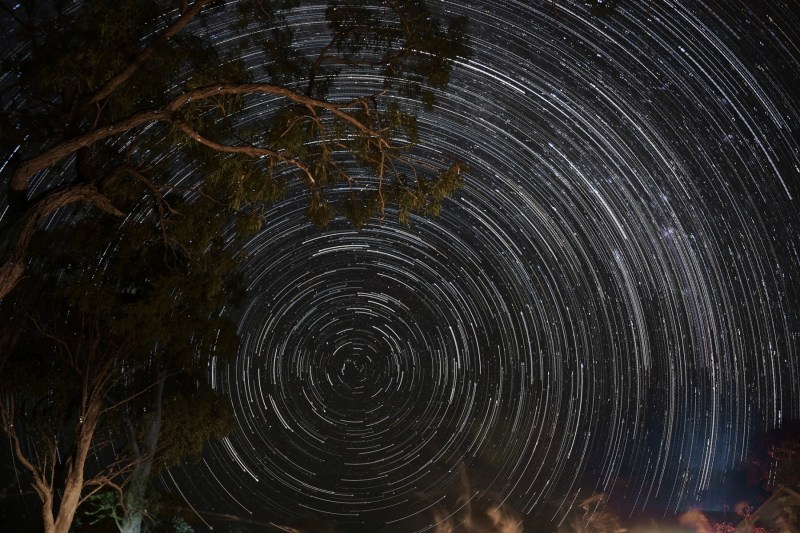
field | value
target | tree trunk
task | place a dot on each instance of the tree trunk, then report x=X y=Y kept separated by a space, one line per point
x=132 y=521
x=136 y=495
x=73 y=486
x=47 y=513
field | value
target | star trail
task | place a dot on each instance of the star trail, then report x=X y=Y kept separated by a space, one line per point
x=609 y=304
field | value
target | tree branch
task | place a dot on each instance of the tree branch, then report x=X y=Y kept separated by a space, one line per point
x=13 y=265
x=187 y=14
x=276 y=90
x=161 y=204
x=139 y=393
x=7 y=407
x=251 y=151
x=19 y=180
x=57 y=340
x=155 y=424
x=99 y=484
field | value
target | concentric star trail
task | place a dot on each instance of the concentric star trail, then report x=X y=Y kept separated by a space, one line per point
x=609 y=303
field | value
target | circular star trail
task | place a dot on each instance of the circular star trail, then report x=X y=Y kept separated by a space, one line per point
x=609 y=304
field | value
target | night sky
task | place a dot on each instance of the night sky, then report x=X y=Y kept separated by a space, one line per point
x=610 y=303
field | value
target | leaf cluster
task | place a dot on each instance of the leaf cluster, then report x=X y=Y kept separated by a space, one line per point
x=193 y=415
x=414 y=50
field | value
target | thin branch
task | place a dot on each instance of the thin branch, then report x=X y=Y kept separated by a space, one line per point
x=264 y=11
x=266 y=88
x=7 y=415
x=251 y=151
x=155 y=424
x=52 y=455
x=106 y=478
x=312 y=75
x=195 y=190
x=161 y=204
x=386 y=60
x=129 y=398
x=100 y=486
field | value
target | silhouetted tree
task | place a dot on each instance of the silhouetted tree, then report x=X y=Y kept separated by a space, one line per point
x=110 y=320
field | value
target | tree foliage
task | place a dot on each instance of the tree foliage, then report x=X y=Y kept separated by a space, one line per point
x=119 y=99
x=110 y=362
